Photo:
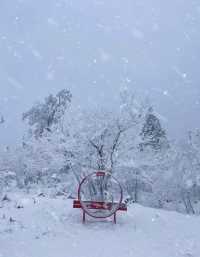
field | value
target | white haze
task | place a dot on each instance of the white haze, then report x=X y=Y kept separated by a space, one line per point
x=96 y=47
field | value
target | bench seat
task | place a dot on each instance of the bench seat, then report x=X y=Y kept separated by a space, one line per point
x=99 y=205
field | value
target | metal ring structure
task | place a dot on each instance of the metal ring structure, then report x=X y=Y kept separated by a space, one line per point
x=100 y=194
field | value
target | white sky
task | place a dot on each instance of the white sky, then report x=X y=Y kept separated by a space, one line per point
x=95 y=47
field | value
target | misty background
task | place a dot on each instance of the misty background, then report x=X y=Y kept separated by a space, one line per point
x=95 y=48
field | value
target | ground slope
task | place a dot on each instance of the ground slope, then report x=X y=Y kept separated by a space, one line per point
x=51 y=228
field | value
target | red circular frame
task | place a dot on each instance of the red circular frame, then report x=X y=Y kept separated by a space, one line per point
x=101 y=173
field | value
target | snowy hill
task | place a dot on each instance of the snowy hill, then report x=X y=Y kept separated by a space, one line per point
x=46 y=227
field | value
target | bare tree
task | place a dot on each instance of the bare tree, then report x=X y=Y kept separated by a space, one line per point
x=106 y=146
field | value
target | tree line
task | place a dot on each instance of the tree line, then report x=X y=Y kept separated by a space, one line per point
x=64 y=143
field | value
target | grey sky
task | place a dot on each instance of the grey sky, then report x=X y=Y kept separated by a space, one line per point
x=95 y=47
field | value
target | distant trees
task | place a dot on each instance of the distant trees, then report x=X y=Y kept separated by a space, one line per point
x=66 y=144
x=2 y=170
x=186 y=175
x=42 y=117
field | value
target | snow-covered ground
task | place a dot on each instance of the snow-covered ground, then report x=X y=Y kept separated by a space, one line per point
x=47 y=227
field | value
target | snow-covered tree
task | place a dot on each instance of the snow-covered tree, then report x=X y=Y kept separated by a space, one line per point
x=96 y=138
x=43 y=117
x=186 y=175
x=153 y=135
x=178 y=185
x=47 y=161
x=46 y=158
x=142 y=167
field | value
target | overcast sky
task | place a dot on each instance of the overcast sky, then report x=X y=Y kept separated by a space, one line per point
x=96 y=47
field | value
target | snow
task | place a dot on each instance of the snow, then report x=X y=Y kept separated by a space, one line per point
x=14 y=83
x=138 y=34
x=51 y=227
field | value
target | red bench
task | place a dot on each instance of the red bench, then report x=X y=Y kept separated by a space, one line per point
x=99 y=206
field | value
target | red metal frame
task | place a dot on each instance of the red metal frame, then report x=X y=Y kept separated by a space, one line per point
x=99 y=205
